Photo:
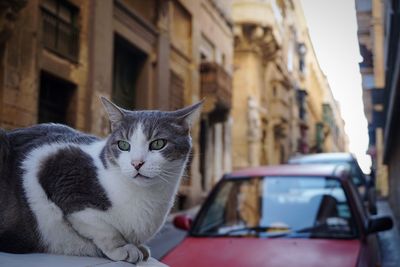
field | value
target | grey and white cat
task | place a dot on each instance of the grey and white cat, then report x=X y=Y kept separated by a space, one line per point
x=66 y=192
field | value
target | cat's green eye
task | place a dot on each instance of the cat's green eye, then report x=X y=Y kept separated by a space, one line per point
x=124 y=145
x=158 y=144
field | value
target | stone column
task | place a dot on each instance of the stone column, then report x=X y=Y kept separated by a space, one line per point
x=255 y=45
x=101 y=62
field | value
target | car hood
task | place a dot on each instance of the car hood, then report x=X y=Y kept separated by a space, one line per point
x=282 y=252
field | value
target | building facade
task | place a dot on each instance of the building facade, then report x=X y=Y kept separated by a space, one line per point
x=58 y=57
x=266 y=98
x=391 y=138
x=379 y=39
x=370 y=19
x=282 y=103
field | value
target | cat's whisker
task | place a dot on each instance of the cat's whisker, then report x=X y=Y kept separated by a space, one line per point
x=165 y=180
x=171 y=172
x=173 y=175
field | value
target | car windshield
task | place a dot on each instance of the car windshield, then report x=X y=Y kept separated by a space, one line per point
x=306 y=207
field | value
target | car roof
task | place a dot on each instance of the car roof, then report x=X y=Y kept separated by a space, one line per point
x=317 y=170
x=323 y=157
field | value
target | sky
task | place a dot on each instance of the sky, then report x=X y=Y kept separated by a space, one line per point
x=333 y=30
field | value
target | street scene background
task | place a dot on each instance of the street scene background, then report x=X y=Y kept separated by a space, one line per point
x=261 y=67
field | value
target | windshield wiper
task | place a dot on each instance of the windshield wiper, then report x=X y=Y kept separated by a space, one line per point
x=299 y=231
x=256 y=229
x=310 y=229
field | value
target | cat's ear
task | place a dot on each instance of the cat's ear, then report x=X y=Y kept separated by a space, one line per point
x=115 y=113
x=189 y=114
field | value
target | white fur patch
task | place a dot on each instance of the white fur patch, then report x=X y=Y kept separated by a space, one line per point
x=55 y=232
x=138 y=207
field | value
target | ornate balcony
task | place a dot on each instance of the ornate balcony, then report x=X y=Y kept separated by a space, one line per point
x=216 y=87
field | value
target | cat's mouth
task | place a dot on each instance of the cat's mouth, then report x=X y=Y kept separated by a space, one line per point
x=139 y=175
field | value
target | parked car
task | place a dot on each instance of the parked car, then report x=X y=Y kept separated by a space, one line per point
x=281 y=216
x=364 y=184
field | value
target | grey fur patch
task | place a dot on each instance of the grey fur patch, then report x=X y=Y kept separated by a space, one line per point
x=162 y=125
x=10 y=210
x=4 y=151
x=18 y=226
x=69 y=178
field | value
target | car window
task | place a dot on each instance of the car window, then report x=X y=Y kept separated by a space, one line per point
x=216 y=211
x=297 y=206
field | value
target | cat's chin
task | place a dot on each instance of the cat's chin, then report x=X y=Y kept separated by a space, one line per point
x=141 y=176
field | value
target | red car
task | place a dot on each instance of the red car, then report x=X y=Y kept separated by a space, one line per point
x=287 y=215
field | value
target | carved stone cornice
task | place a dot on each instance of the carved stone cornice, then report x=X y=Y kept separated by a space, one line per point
x=8 y=15
x=256 y=38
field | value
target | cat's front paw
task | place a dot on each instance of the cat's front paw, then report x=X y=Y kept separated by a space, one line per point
x=146 y=252
x=129 y=253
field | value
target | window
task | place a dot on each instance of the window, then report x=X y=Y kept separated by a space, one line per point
x=319 y=126
x=181 y=28
x=56 y=100
x=302 y=51
x=301 y=102
x=60 y=30
x=129 y=83
x=368 y=81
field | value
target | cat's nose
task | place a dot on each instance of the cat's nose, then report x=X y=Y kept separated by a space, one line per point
x=137 y=164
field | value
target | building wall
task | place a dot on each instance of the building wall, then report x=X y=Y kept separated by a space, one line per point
x=371 y=39
x=394 y=174
x=211 y=38
x=378 y=34
x=256 y=49
x=26 y=60
x=391 y=144
x=18 y=88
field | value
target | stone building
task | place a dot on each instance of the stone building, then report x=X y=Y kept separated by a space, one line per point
x=370 y=19
x=379 y=39
x=391 y=138
x=266 y=98
x=282 y=104
x=58 y=57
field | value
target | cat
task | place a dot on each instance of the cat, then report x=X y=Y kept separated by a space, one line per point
x=66 y=192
